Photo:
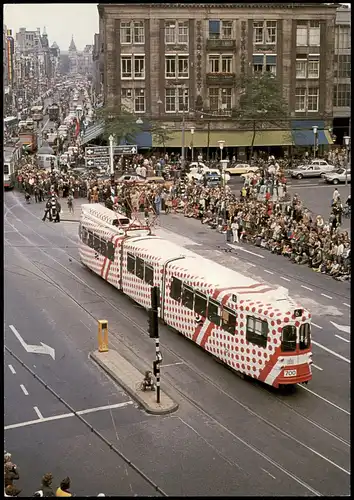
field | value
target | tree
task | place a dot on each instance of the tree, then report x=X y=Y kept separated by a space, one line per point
x=261 y=101
x=119 y=122
x=160 y=133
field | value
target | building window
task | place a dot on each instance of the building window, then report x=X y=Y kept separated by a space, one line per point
x=220 y=99
x=342 y=95
x=301 y=68
x=128 y=29
x=175 y=97
x=343 y=37
x=177 y=66
x=176 y=32
x=300 y=99
x=313 y=69
x=344 y=67
x=126 y=93
x=312 y=99
x=139 y=101
x=226 y=30
x=133 y=67
x=262 y=63
x=214 y=93
x=265 y=32
x=220 y=30
x=308 y=33
x=220 y=64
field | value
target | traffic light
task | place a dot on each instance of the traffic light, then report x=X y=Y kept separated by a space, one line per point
x=153 y=324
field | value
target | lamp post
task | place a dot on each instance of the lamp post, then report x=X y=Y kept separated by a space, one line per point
x=315 y=131
x=347 y=163
x=111 y=163
x=183 y=127
x=192 y=144
x=221 y=146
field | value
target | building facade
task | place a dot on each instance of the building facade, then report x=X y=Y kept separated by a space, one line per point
x=169 y=62
x=342 y=74
x=5 y=58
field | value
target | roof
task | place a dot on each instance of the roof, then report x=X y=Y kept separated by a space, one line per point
x=72 y=46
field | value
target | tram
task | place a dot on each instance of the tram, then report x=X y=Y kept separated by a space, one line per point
x=252 y=327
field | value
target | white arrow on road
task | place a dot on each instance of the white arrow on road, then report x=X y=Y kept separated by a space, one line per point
x=341 y=328
x=36 y=349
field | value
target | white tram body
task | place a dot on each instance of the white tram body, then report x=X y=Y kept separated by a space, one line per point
x=254 y=328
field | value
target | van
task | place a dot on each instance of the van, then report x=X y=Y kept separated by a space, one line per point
x=30 y=124
x=44 y=161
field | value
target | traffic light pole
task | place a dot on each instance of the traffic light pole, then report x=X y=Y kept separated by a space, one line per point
x=154 y=333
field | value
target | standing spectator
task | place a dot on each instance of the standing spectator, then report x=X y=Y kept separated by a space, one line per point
x=63 y=490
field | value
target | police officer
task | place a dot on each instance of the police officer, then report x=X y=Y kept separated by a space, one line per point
x=48 y=211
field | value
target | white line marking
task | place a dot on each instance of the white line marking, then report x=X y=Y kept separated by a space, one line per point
x=317 y=367
x=40 y=416
x=173 y=364
x=327 y=296
x=307 y=288
x=324 y=399
x=218 y=251
x=269 y=272
x=244 y=250
x=285 y=279
x=345 y=340
x=12 y=370
x=25 y=392
x=67 y=415
x=317 y=326
x=252 y=265
x=331 y=352
x=269 y=474
x=345 y=304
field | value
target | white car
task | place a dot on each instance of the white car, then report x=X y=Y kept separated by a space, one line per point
x=339 y=175
x=240 y=168
x=197 y=173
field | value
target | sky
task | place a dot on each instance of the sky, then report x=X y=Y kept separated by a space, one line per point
x=62 y=20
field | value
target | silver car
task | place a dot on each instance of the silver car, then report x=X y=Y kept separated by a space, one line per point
x=311 y=171
x=340 y=175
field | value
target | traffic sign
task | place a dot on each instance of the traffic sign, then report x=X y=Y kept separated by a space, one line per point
x=125 y=150
x=95 y=151
x=101 y=161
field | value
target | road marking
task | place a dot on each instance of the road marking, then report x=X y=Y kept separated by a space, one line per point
x=12 y=370
x=173 y=364
x=317 y=367
x=307 y=288
x=24 y=390
x=39 y=415
x=324 y=399
x=252 y=265
x=269 y=272
x=218 y=251
x=269 y=474
x=331 y=352
x=342 y=338
x=345 y=304
x=341 y=328
x=244 y=250
x=317 y=326
x=67 y=415
x=285 y=279
x=327 y=296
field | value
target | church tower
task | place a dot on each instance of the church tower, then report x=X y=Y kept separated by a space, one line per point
x=73 y=57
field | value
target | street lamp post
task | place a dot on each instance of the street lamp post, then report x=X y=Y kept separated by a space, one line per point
x=347 y=163
x=315 y=131
x=111 y=163
x=192 y=144
x=183 y=127
x=221 y=146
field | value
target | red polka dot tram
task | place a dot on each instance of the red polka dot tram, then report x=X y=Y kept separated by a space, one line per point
x=254 y=328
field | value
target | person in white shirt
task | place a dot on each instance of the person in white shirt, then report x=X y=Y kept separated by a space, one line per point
x=143 y=171
x=235 y=227
x=138 y=170
x=335 y=195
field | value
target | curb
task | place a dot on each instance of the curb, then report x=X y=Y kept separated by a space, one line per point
x=134 y=393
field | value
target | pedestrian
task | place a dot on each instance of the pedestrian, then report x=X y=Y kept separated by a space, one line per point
x=335 y=196
x=235 y=227
x=48 y=211
x=71 y=203
x=63 y=490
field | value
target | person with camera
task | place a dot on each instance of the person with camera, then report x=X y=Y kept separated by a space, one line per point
x=10 y=475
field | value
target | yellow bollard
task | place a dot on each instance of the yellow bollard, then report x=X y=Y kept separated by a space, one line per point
x=103 y=335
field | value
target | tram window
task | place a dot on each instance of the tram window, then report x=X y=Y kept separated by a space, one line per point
x=139 y=268
x=228 y=322
x=97 y=243
x=103 y=248
x=84 y=234
x=110 y=252
x=200 y=304
x=305 y=336
x=131 y=263
x=188 y=297
x=288 y=338
x=213 y=312
x=149 y=275
x=256 y=331
x=80 y=231
x=176 y=289
x=90 y=239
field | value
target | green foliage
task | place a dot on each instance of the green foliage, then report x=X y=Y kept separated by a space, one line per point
x=160 y=134
x=119 y=122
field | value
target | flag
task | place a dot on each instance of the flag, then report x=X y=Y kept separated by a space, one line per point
x=77 y=127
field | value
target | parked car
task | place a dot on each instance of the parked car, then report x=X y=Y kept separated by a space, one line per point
x=338 y=176
x=312 y=170
x=197 y=164
x=240 y=168
x=197 y=173
x=131 y=178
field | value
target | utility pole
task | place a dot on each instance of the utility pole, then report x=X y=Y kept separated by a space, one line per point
x=154 y=334
x=183 y=127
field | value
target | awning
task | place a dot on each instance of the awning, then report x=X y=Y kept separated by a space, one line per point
x=143 y=140
x=238 y=138
x=303 y=135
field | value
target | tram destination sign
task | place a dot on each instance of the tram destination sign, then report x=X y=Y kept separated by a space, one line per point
x=97 y=151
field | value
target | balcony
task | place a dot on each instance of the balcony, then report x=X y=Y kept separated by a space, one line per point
x=220 y=44
x=220 y=78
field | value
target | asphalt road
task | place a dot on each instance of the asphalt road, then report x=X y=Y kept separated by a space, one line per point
x=316 y=195
x=254 y=440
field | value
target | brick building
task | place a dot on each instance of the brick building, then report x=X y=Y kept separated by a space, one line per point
x=168 y=62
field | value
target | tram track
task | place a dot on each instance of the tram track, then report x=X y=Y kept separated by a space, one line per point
x=205 y=378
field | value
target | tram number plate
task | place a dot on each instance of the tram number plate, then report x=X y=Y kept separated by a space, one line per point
x=290 y=373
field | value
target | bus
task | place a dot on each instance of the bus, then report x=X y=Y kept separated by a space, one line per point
x=53 y=112
x=37 y=113
x=10 y=122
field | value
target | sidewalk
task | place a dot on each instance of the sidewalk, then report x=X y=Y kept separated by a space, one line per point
x=130 y=379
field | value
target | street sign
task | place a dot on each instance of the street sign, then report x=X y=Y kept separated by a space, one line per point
x=101 y=161
x=94 y=151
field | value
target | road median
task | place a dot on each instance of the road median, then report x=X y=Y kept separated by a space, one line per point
x=130 y=379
